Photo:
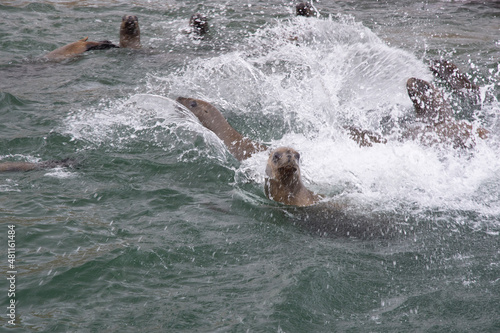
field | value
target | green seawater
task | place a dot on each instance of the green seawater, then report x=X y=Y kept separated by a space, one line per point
x=160 y=229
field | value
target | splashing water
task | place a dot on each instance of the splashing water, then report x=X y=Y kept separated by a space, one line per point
x=298 y=83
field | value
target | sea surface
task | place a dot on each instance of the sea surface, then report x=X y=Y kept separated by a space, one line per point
x=160 y=229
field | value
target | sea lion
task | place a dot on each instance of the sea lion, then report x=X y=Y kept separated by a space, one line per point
x=436 y=115
x=304 y=9
x=130 y=34
x=452 y=75
x=29 y=166
x=199 y=24
x=283 y=182
x=241 y=147
x=78 y=47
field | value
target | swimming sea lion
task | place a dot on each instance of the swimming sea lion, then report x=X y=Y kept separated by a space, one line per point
x=304 y=9
x=241 y=147
x=130 y=34
x=283 y=182
x=77 y=48
x=28 y=166
x=199 y=24
x=436 y=114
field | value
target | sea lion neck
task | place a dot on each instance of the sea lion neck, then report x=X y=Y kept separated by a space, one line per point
x=209 y=117
x=241 y=147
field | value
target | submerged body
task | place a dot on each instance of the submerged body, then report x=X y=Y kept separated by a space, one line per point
x=29 y=166
x=436 y=115
x=199 y=24
x=77 y=48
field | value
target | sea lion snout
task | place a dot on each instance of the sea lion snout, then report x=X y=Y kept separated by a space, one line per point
x=284 y=161
x=130 y=23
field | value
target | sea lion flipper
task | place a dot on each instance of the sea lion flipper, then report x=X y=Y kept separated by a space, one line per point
x=429 y=103
x=64 y=163
x=77 y=48
x=101 y=45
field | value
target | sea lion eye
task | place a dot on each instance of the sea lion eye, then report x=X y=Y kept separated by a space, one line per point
x=194 y=104
x=297 y=156
x=276 y=157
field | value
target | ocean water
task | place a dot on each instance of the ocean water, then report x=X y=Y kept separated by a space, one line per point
x=160 y=229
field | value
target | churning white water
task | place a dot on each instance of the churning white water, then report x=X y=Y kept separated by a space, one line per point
x=298 y=83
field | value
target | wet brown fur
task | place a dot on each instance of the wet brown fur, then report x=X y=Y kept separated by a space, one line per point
x=437 y=116
x=130 y=34
x=29 y=166
x=241 y=147
x=77 y=48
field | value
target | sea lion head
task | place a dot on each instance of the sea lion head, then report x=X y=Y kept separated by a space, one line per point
x=130 y=34
x=208 y=114
x=130 y=24
x=283 y=183
x=304 y=9
x=199 y=23
x=283 y=164
x=199 y=108
x=429 y=102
